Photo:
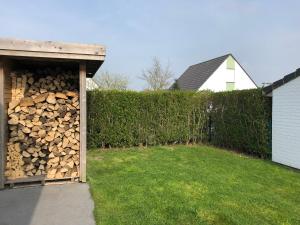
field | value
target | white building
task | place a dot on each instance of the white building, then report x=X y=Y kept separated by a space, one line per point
x=285 y=95
x=219 y=74
x=91 y=84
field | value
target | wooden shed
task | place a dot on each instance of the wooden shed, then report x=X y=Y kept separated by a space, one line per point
x=285 y=95
x=43 y=109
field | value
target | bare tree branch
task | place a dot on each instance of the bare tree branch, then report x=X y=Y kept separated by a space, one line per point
x=157 y=78
x=109 y=81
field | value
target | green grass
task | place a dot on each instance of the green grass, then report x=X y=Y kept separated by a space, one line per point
x=191 y=185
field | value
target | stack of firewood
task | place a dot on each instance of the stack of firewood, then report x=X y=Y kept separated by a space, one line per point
x=43 y=121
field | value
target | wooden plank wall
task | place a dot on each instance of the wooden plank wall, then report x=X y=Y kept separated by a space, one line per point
x=2 y=124
x=52 y=47
x=82 y=99
x=7 y=84
x=5 y=98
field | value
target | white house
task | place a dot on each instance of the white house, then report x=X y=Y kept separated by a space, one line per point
x=91 y=84
x=285 y=95
x=223 y=73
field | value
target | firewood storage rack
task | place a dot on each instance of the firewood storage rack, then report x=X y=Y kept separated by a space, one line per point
x=86 y=59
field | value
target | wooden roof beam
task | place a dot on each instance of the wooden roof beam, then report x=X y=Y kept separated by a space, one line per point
x=93 y=54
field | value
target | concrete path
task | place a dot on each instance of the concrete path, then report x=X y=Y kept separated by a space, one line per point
x=67 y=204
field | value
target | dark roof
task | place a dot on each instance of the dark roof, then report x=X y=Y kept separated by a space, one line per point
x=196 y=75
x=282 y=81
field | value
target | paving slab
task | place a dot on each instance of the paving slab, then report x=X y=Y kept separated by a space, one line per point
x=67 y=204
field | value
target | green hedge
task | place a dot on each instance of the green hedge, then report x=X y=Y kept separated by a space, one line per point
x=126 y=118
x=237 y=120
x=241 y=120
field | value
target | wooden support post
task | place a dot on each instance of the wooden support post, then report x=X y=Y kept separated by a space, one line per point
x=82 y=99
x=2 y=125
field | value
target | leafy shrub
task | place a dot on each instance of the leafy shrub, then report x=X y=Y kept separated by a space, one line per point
x=127 y=118
x=237 y=119
x=241 y=120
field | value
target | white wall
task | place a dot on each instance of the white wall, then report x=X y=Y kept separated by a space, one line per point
x=91 y=84
x=217 y=81
x=286 y=124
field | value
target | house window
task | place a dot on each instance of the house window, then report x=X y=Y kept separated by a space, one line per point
x=230 y=63
x=230 y=86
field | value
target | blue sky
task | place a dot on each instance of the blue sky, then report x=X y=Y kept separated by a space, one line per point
x=263 y=35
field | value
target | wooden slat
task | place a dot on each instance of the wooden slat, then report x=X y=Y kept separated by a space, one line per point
x=2 y=125
x=7 y=84
x=50 y=46
x=82 y=99
x=26 y=179
x=51 y=55
x=60 y=179
x=92 y=54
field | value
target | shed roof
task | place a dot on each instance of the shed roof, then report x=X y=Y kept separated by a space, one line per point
x=93 y=54
x=269 y=89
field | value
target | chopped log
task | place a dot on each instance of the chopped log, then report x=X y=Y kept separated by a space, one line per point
x=63 y=170
x=43 y=126
x=75 y=147
x=50 y=136
x=25 y=154
x=51 y=98
x=72 y=152
x=70 y=164
x=25 y=102
x=26 y=130
x=40 y=98
x=72 y=94
x=65 y=142
x=74 y=174
x=61 y=95
x=13 y=121
x=30 y=80
x=18 y=109
x=31 y=150
x=42 y=90
x=13 y=104
x=42 y=133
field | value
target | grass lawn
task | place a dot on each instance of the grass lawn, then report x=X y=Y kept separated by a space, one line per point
x=191 y=185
